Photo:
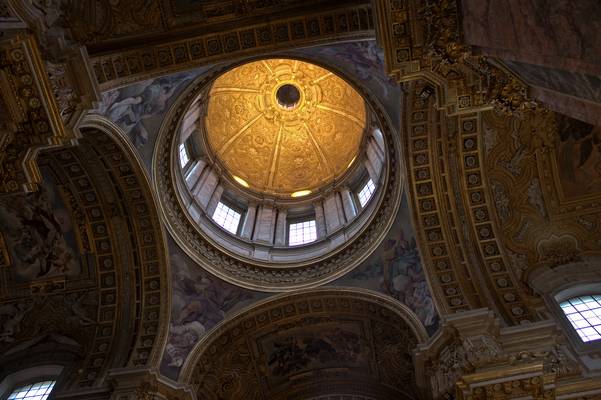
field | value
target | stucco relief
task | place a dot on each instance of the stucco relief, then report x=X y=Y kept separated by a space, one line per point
x=578 y=157
x=364 y=60
x=558 y=173
x=38 y=231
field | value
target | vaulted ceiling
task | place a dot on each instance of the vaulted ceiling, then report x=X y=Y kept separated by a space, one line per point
x=492 y=208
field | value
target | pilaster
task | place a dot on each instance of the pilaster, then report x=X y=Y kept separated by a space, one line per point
x=146 y=384
x=472 y=357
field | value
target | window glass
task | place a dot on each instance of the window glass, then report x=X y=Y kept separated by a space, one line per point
x=302 y=233
x=366 y=193
x=584 y=313
x=183 y=155
x=36 y=391
x=227 y=218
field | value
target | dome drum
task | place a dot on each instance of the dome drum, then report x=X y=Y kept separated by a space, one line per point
x=268 y=177
x=263 y=230
x=269 y=195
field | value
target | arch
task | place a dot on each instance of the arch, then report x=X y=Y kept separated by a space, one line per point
x=100 y=296
x=265 y=339
x=108 y=127
x=256 y=274
x=557 y=281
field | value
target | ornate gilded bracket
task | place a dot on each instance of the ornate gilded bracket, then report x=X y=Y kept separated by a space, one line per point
x=145 y=384
x=422 y=40
x=30 y=119
x=473 y=358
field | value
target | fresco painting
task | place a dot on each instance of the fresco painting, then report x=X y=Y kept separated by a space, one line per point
x=296 y=350
x=395 y=269
x=200 y=301
x=139 y=109
x=39 y=234
x=578 y=157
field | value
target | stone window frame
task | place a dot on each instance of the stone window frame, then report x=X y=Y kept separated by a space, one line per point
x=297 y=221
x=362 y=187
x=30 y=375
x=229 y=207
x=558 y=283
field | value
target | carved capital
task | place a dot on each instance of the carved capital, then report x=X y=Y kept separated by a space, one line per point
x=145 y=384
x=475 y=357
x=524 y=381
x=422 y=40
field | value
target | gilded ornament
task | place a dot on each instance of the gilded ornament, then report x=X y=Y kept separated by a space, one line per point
x=284 y=126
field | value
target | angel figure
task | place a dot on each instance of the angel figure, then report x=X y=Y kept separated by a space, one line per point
x=131 y=106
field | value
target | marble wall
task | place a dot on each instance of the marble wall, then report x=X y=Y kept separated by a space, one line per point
x=562 y=34
x=553 y=45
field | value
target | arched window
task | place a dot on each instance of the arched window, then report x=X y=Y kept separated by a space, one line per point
x=184 y=157
x=584 y=313
x=302 y=232
x=227 y=218
x=34 y=391
x=366 y=192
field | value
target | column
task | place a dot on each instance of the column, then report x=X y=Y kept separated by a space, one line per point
x=190 y=122
x=378 y=140
x=379 y=137
x=320 y=220
x=215 y=197
x=348 y=204
x=249 y=221
x=280 y=228
x=264 y=228
x=374 y=158
x=194 y=173
x=371 y=171
x=205 y=187
x=331 y=213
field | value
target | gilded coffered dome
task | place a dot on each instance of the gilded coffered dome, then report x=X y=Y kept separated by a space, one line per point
x=284 y=126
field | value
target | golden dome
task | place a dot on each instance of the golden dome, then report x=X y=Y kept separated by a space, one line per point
x=284 y=126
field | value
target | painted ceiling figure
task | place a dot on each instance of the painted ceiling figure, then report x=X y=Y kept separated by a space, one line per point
x=36 y=229
x=131 y=107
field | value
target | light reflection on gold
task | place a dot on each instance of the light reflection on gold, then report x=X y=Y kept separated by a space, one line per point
x=301 y=193
x=352 y=161
x=241 y=181
x=283 y=150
